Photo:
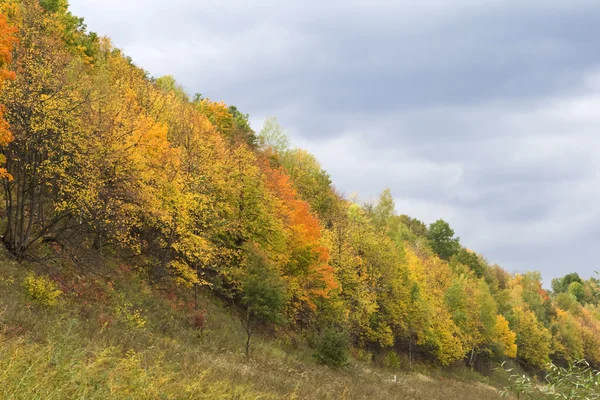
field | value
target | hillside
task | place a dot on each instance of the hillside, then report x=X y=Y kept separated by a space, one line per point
x=155 y=246
x=93 y=345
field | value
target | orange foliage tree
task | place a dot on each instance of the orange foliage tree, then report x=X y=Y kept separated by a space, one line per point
x=307 y=266
x=7 y=41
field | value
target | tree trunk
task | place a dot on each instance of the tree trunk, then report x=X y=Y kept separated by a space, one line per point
x=472 y=358
x=410 y=352
x=248 y=332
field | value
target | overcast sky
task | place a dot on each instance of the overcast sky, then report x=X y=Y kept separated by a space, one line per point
x=483 y=113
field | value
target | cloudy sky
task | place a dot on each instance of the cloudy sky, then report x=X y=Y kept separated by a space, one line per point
x=484 y=113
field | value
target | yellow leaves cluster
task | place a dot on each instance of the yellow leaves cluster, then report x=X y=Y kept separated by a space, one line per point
x=533 y=339
x=467 y=322
x=505 y=337
x=42 y=289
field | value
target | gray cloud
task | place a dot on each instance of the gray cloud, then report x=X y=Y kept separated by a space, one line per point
x=483 y=113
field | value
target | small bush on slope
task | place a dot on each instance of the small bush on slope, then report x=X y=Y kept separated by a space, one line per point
x=41 y=289
x=576 y=382
x=331 y=348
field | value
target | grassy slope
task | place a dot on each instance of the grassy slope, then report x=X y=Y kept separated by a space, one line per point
x=92 y=346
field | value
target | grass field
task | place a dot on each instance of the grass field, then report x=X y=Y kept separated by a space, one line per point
x=127 y=340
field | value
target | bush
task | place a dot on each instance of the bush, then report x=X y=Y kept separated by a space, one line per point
x=577 y=382
x=127 y=314
x=332 y=348
x=391 y=360
x=42 y=290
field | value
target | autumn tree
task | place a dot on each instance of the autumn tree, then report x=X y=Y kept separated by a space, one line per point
x=504 y=339
x=229 y=121
x=435 y=330
x=273 y=136
x=41 y=107
x=567 y=337
x=312 y=182
x=7 y=40
x=170 y=85
x=103 y=160
x=306 y=266
x=534 y=341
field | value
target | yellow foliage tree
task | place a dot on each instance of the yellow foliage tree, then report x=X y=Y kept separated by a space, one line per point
x=534 y=341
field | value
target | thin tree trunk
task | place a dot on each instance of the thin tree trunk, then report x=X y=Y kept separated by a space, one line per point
x=21 y=206
x=8 y=202
x=410 y=352
x=472 y=358
x=196 y=290
x=33 y=199
x=248 y=332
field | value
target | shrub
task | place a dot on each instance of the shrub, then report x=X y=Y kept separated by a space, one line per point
x=127 y=314
x=42 y=290
x=332 y=348
x=577 y=382
x=391 y=360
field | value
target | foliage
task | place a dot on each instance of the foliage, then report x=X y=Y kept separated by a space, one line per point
x=469 y=259
x=128 y=314
x=7 y=41
x=42 y=289
x=561 y=285
x=442 y=239
x=576 y=382
x=273 y=136
x=392 y=360
x=505 y=338
x=263 y=289
x=264 y=293
x=331 y=348
x=533 y=339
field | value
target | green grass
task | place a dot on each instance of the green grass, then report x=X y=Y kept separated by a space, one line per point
x=131 y=341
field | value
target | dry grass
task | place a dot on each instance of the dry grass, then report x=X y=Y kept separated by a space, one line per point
x=84 y=348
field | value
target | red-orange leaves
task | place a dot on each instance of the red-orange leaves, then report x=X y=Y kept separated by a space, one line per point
x=307 y=265
x=7 y=40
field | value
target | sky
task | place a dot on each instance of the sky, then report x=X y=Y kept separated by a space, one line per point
x=483 y=113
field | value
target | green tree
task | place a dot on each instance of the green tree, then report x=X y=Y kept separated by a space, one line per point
x=469 y=259
x=442 y=239
x=169 y=84
x=384 y=211
x=416 y=226
x=273 y=136
x=242 y=132
x=332 y=348
x=577 y=290
x=263 y=293
x=561 y=285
